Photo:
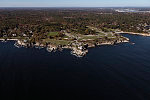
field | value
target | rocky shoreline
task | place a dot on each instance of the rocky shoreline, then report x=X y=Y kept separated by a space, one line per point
x=76 y=49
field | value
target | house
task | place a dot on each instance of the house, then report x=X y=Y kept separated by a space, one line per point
x=80 y=47
x=24 y=35
x=14 y=35
x=25 y=41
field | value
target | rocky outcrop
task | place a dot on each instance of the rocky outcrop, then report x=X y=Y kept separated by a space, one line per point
x=51 y=48
x=21 y=43
x=78 y=52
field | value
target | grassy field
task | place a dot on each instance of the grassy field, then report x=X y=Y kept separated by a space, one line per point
x=65 y=37
x=80 y=37
x=109 y=35
x=52 y=34
x=57 y=42
x=102 y=34
x=86 y=37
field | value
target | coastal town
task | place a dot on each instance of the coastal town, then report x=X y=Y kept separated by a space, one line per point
x=54 y=30
x=75 y=49
x=78 y=44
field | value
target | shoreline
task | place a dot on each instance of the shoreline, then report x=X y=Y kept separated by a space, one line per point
x=132 y=33
x=78 y=51
x=8 y=39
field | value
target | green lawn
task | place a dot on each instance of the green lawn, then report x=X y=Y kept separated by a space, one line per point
x=65 y=36
x=52 y=34
x=102 y=34
x=109 y=35
x=88 y=37
x=57 y=42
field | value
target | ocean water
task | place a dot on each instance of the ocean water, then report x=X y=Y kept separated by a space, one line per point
x=120 y=72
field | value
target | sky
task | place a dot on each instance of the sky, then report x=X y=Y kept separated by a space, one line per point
x=74 y=3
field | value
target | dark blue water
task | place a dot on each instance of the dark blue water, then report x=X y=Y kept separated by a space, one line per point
x=120 y=72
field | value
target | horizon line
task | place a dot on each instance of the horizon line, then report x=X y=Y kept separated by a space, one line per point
x=70 y=6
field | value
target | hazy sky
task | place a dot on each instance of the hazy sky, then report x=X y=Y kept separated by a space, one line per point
x=73 y=3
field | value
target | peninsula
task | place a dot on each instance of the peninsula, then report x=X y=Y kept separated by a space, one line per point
x=70 y=28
